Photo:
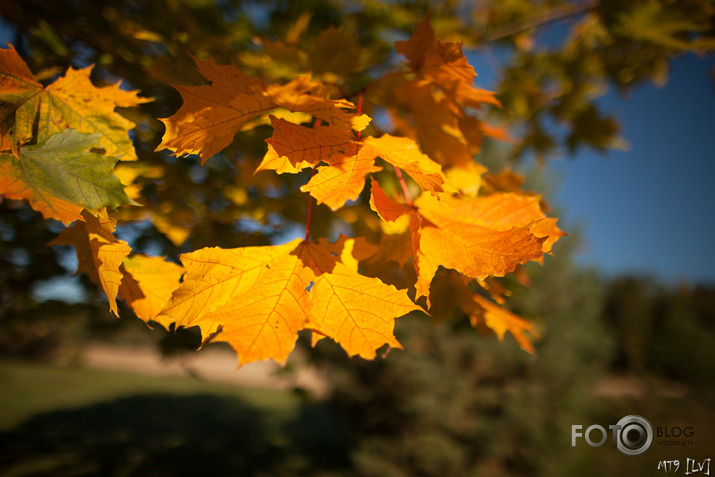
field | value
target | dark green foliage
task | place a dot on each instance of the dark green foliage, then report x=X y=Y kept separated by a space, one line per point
x=169 y=435
x=662 y=332
x=454 y=403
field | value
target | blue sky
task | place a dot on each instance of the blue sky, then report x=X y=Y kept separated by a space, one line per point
x=649 y=210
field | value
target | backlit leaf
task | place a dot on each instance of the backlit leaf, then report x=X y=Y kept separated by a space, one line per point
x=99 y=253
x=444 y=64
x=31 y=113
x=293 y=148
x=501 y=320
x=260 y=297
x=148 y=283
x=404 y=153
x=308 y=96
x=212 y=114
x=356 y=311
x=60 y=176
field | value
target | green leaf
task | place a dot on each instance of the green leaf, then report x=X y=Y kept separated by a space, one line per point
x=60 y=171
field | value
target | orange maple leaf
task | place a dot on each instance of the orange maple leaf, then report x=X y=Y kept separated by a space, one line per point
x=437 y=124
x=348 y=160
x=473 y=250
x=444 y=64
x=385 y=207
x=292 y=147
x=99 y=253
x=481 y=237
x=307 y=96
x=501 y=320
x=260 y=297
x=212 y=114
x=484 y=314
x=18 y=86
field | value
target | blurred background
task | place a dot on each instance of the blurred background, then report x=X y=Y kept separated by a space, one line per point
x=610 y=105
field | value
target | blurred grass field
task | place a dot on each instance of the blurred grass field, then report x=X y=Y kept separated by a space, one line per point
x=31 y=388
x=74 y=421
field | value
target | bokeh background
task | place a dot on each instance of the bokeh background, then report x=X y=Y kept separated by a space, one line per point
x=611 y=105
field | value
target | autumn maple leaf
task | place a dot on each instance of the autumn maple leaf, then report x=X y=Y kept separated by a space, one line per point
x=358 y=312
x=347 y=160
x=479 y=237
x=501 y=320
x=434 y=106
x=212 y=114
x=59 y=144
x=148 y=283
x=444 y=64
x=72 y=101
x=61 y=176
x=99 y=253
x=260 y=297
x=485 y=314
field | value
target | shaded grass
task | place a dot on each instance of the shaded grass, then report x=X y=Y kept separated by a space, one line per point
x=76 y=422
x=29 y=388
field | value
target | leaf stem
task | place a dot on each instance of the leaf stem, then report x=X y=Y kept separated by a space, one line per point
x=310 y=210
x=359 y=112
x=403 y=184
x=310 y=198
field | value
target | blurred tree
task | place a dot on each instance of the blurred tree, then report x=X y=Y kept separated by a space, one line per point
x=452 y=404
x=661 y=332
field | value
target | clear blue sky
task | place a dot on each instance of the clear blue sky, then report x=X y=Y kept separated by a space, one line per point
x=651 y=209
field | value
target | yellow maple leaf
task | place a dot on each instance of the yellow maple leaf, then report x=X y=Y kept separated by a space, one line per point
x=255 y=295
x=467 y=178
x=343 y=179
x=404 y=153
x=33 y=113
x=148 y=283
x=347 y=160
x=99 y=253
x=260 y=297
x=358 y=312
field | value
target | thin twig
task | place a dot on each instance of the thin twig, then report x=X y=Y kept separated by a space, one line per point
x=550 y=16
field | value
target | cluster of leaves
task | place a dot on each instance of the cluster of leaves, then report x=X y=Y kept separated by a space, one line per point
x=62 y=142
